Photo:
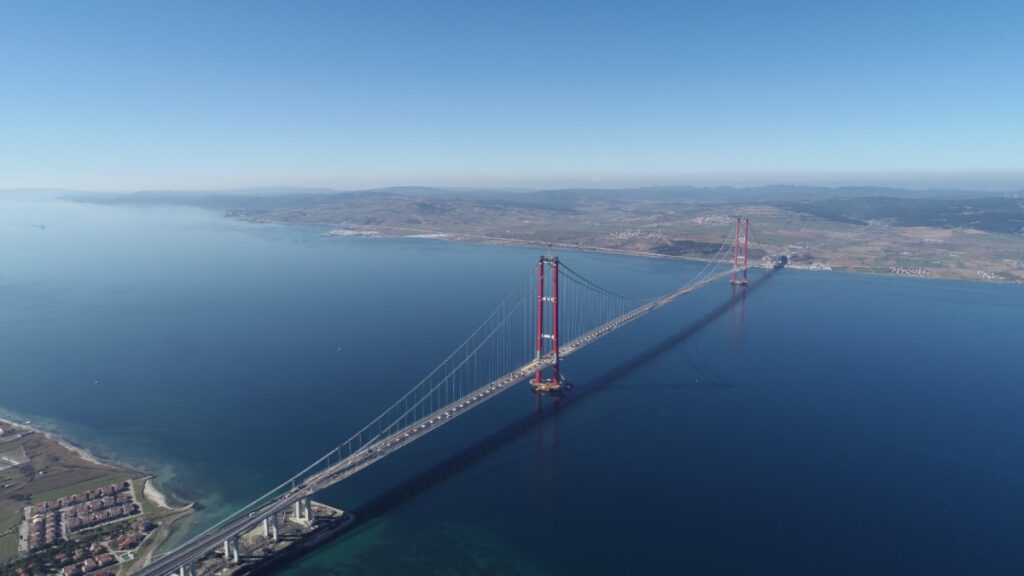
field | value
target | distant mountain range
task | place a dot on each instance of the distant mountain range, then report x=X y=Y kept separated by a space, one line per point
x=552 y=199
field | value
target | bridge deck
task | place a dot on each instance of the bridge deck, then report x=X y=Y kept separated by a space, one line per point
x=377 y=450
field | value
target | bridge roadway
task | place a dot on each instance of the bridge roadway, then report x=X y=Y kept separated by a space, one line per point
x=191 y=551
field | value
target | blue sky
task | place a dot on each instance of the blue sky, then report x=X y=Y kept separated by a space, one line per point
x=143 y=95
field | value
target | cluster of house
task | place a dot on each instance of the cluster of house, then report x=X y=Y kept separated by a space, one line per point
x=84 y=561
x=100 y=557
x=630 y=234
x=909 y=271
x=44 y=530
x=86 y=509
x=83 y=497
x=132 y=536
x=96 y=512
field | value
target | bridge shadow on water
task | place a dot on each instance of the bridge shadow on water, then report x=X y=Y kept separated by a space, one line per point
x=448 y=468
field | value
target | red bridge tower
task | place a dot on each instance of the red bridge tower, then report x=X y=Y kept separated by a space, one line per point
x=553 y=384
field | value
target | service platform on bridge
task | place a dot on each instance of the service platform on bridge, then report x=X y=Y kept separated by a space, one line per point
x=549 y=386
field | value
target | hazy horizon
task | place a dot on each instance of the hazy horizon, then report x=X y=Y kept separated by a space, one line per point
x=977 y=184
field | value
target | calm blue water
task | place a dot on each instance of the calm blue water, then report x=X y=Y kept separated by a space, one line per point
x=827 y=423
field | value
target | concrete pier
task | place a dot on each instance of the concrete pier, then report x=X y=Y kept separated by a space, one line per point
x=231 y=549
x=271 y=541
x=303 y=512
x=270 y=527
x=308 y=511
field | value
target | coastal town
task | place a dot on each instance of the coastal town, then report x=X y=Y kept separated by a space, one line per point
x=100 y=556
x=54 y=520
x=63 y=512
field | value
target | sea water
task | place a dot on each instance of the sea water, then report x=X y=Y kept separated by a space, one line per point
x=811 y=423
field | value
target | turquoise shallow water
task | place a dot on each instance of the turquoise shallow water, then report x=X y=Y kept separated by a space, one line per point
x=826 y=423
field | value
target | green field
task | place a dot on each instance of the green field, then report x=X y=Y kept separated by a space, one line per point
x=10 y=520
x=8 y=546
x=9 y=543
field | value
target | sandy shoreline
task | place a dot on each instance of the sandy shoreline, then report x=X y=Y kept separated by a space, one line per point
x=82 y=452
x=149 y=491
x=479 y=240
x=154 y=495
x=465 y=238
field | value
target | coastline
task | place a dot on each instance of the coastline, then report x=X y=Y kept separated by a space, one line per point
x=154 y=495
x=80 y=451
x=412 y=233
x=156 y=504
x=479 y=240
x=150 y=489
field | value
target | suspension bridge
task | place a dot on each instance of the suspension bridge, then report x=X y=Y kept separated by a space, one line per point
x=552 y=312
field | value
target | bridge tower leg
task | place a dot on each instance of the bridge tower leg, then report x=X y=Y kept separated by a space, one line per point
x=540 y=320
x=307 y=510
x=742 y=230
x=736 y=252
x=746 y=235
x=540 y=384
x=554 y=323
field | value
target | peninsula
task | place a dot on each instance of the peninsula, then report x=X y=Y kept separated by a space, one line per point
x=956 y=234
